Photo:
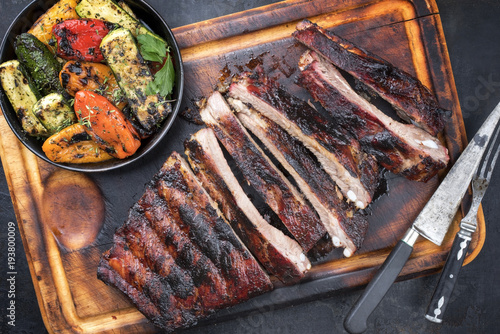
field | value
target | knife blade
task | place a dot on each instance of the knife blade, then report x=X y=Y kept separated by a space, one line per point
x=432 y=223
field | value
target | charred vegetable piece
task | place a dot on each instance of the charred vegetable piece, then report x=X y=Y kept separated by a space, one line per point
x=54 y=113
x=133 y=76
x=39 y=62
x=109 y=10
x=143 y=134
x=73 y=145
x=106 y=124
x=79 y=39
x=42 y=28
x=126 y=8
x=22 y=95
x=76 y=76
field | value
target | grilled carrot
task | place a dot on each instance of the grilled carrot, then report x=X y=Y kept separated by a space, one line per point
x=106 y=124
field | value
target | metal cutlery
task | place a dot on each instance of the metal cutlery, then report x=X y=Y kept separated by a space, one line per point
x=432 y=223
x=468 y=225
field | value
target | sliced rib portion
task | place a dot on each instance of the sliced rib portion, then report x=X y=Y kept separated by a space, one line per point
x=355 y=172
x=281 y=196
x=314 y=182
x=401 y=148
x=176 y=257
x=279 y=254
x=412 y=100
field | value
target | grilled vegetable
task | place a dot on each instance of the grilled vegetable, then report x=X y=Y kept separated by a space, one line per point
x=76 y=76
x=79 y=39
x=54 y=113
x=73 y=145
x=40 y=63
x=126 y=8
x=157 y=52
x=22 y=95
x=110 y=11
x=62 y=10
x=106 y=124
x=133 y=76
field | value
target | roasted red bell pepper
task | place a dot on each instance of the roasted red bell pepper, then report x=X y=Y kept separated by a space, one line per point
x=79 y=39
x=106 y=124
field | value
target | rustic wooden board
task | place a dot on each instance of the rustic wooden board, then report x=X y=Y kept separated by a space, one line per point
x=407 y=33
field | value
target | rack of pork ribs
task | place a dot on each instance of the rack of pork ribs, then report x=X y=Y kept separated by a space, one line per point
x=195 y=243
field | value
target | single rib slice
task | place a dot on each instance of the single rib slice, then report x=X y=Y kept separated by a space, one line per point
x=176 y=257
x=280 y=255
x=318 y=187
x=412 y=100
x=401 y=148
x=281 y=196
x=355 y=172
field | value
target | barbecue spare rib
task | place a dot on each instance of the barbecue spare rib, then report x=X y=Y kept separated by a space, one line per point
x=279 y=254
x=176 y=257
x=401 y=148
x=412 y=100
x=354 y=172
x=346 y=228
x=275 y=189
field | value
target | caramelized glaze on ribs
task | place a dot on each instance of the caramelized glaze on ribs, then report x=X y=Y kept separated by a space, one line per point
x=401 y=148
x=412 y=100
x=176 y=257
x=355 y=172
x=281 y=196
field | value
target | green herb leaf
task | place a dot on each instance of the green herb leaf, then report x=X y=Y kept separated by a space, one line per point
x=164 y=79
x=152 y=48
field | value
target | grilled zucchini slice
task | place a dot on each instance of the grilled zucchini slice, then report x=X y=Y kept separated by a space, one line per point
x=109 y=10
x=54 y=114
x=39 y=62
x=133 y=75
x=22 y=95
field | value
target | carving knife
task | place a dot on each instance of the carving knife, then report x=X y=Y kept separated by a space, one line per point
x=432 y=223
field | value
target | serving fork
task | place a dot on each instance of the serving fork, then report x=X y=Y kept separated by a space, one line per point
x=468 y=225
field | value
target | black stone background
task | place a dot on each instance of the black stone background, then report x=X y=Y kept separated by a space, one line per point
x=472 y=30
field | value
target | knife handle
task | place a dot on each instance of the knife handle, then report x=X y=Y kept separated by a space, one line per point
x=449 y=276
x=355 y=322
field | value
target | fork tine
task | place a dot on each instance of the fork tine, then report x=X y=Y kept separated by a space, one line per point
x=487 y=166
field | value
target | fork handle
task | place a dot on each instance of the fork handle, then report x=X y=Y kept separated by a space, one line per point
x=449 y=276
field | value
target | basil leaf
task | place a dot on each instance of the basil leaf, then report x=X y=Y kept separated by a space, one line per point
x=151 y=48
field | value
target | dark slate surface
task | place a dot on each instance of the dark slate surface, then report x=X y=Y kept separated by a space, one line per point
x=473 y=37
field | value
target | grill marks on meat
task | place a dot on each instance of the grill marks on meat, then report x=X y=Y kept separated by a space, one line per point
x=314 y=182
x=279 y=254
x=281 y=196
x=176 y=257
x=401 y=148
x=355 y=172
x=412 y=100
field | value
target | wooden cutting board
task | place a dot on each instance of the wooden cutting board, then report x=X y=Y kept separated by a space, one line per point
x=67 y=219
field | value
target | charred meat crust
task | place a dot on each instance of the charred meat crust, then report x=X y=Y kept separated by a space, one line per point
x=355 y=172
x=314 y=182
x=394 y=145
x=281 y=196
x=412 y=100
x=143 y=303
x=176 y=257
x=273 y=257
